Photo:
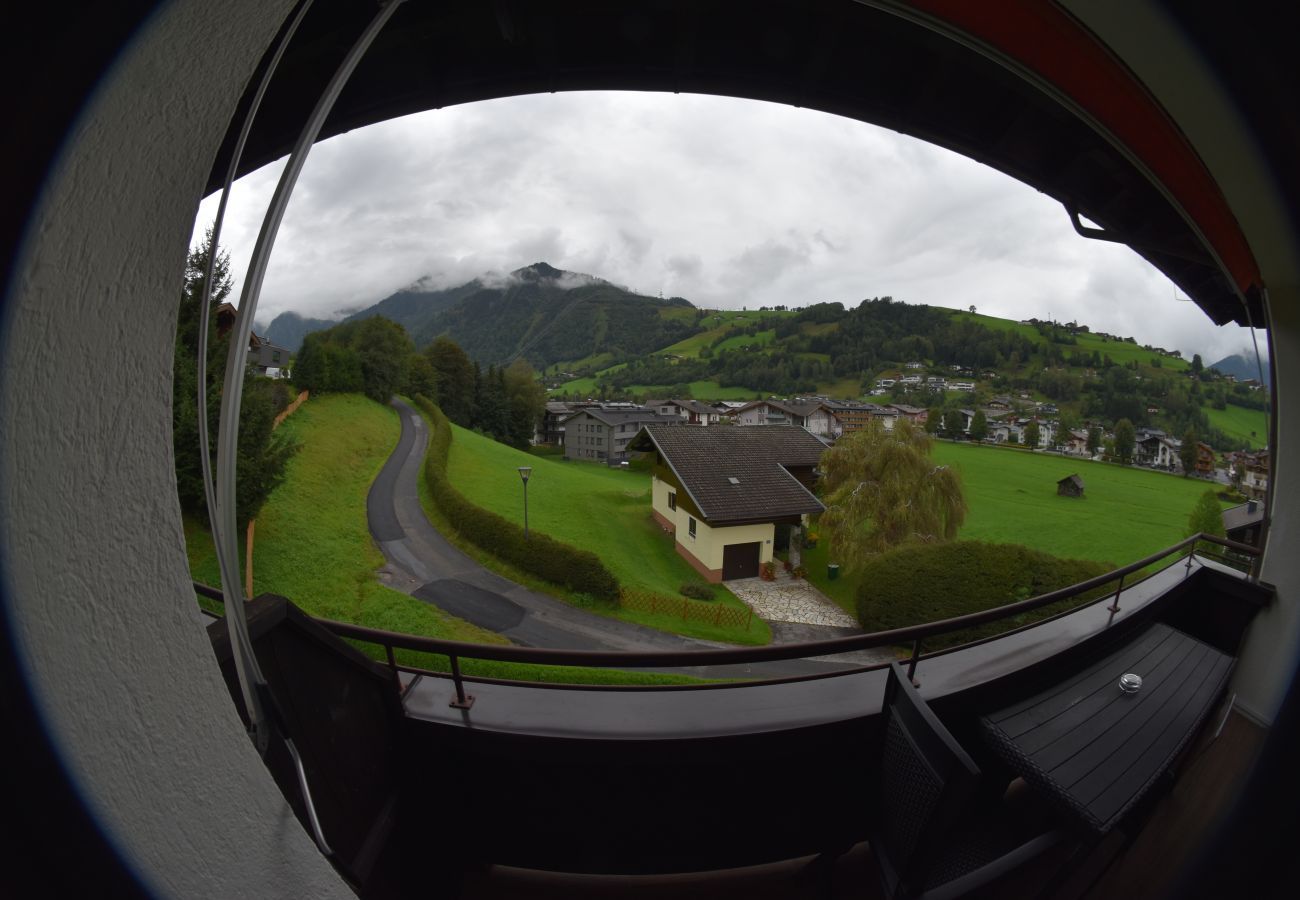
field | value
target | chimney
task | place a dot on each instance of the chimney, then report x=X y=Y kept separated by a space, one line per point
x=1251 y=505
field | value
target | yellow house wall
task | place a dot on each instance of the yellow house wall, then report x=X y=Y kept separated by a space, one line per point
x=709 y=542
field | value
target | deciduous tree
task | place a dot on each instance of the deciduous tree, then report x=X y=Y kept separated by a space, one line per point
x=1033 y=435
x=1094 y=440
x=1124 y=437
x=1206 y=517
x=883 y=490
x=1187 y=452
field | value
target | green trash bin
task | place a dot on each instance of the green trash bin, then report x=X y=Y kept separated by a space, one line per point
x=832 y=571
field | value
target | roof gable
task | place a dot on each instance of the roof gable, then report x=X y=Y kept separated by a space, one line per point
x=739 y=474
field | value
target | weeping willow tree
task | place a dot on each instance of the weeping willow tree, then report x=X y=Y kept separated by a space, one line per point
x=882 y=491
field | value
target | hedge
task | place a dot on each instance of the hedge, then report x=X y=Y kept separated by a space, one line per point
x=539 y=555
x=930 y=582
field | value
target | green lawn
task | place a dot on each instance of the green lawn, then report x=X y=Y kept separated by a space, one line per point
x=1126 y=513
x=741 y=341
x=700 y=390
x=596 y=508
x=314 y=547
x=1246 y=425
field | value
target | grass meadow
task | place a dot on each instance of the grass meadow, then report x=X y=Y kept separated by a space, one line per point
x=313 y=545
x=1125 y=514
x=596 y=508
x=1249 y=426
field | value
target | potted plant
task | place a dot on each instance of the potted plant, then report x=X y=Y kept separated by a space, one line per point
x=810 y=540
x=767 y=571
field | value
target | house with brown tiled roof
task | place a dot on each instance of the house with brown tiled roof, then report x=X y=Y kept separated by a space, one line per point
x=721 y=492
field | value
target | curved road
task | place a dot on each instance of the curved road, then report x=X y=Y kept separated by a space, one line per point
x=423 y=564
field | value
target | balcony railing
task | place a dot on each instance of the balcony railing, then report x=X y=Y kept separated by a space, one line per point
x=1184 y=552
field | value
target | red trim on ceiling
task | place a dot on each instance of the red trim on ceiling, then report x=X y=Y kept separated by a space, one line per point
x=1044 y=39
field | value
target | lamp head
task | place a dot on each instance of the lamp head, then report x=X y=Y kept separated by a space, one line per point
x=524 y=472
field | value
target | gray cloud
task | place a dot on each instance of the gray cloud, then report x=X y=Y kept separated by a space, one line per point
x=726 y=202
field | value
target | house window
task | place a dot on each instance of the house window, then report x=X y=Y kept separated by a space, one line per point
x=672 y=499
x=691 y=526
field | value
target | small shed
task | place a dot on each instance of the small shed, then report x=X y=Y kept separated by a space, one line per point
x=1070 y=486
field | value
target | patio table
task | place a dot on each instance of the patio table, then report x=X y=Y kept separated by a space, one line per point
x=1096 y=750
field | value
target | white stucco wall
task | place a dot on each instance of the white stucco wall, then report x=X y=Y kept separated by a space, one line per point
x=90 y=532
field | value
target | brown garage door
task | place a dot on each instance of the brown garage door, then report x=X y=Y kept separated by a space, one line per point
x=740 y=561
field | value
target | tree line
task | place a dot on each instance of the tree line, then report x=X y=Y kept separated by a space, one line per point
x=262 y=453
x=375 y=356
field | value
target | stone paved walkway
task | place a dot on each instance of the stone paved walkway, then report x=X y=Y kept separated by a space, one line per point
x=790 y=600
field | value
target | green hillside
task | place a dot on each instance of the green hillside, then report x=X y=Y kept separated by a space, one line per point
x=1248 y=426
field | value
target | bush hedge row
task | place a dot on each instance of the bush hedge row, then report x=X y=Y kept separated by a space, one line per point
x=930 y=582
x=539 y=555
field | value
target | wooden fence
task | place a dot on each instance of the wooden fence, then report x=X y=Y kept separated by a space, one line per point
x=714 y=611
x=291 y=408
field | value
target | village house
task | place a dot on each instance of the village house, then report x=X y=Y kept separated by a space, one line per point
x=601 y=433
x=1244 y=523
x=550 y=427
x=856 y=416
x=264 y=357
x=1005 y=432
x=1152 y=447
x=721 y=492
x=1205 y=459
x=1076 y=443
x=692 y=412
x=916 y=414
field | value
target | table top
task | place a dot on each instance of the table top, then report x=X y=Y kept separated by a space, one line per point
x=1096 y=749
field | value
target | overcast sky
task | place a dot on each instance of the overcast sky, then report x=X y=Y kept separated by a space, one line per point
x=727 y=203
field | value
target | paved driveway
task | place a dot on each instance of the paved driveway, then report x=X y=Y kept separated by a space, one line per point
x=788 y=599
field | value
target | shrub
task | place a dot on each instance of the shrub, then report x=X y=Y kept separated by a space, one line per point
x=930 y=582
x=696 y=590
x=541 y=555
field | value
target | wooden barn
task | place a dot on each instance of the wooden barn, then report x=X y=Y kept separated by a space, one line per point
x=1070 y=486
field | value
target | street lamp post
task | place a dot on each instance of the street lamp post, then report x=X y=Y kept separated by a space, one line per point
x=524 y=472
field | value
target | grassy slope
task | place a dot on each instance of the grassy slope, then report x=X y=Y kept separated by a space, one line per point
x=1126 y=513
x=314 y=547
x=593 y=507
x=1247 y=425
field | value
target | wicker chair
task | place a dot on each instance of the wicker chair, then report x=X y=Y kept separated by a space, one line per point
x=933 y=838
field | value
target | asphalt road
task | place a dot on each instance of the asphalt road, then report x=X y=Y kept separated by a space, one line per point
x=423 y=564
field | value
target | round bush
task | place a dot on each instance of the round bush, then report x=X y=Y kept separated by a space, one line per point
x=696 y=590
x=930 y=582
